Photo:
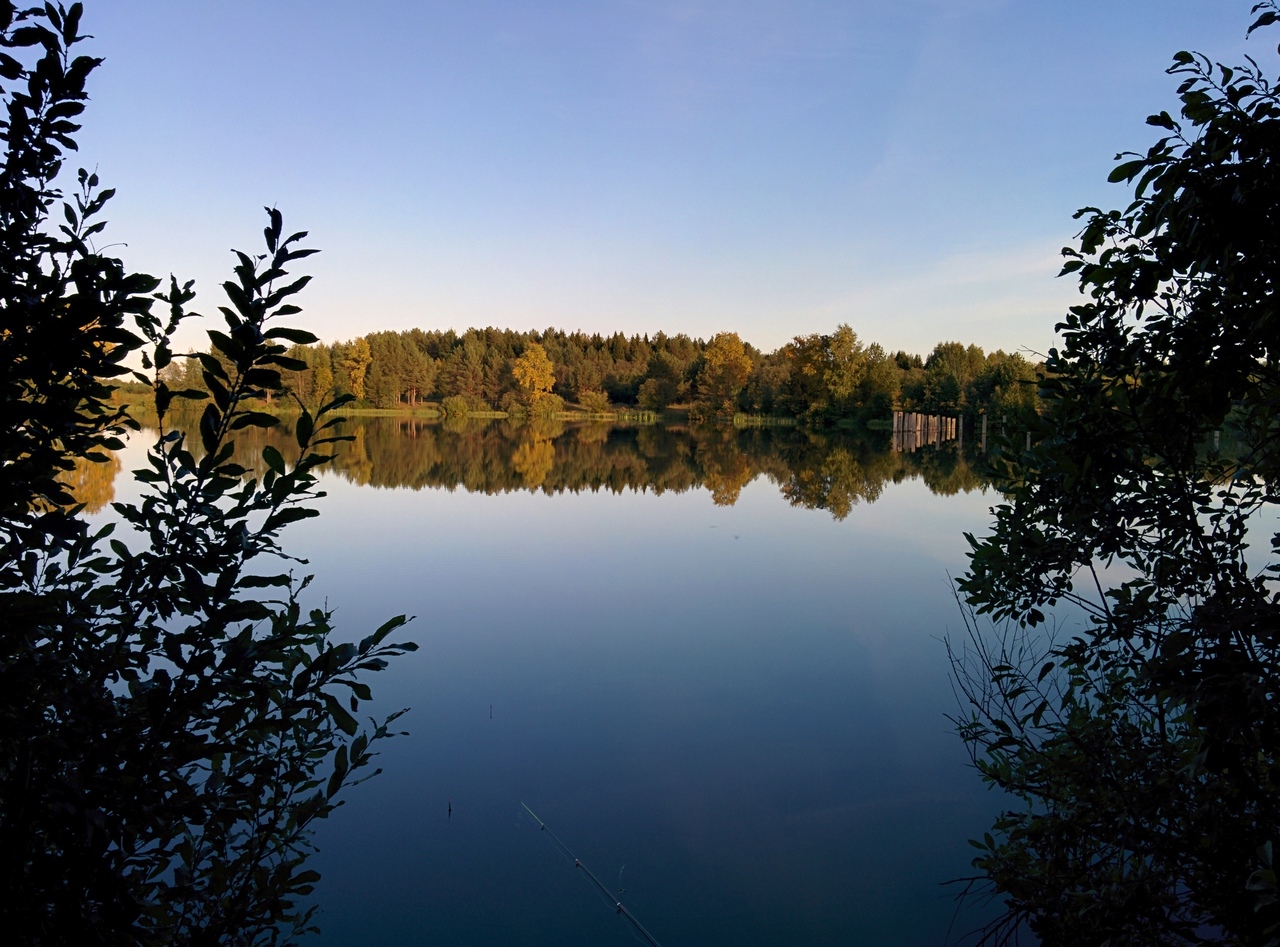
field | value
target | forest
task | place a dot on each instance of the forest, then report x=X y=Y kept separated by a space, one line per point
x=818 y=378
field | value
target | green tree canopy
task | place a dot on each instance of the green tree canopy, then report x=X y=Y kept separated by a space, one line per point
x=355 y=362
x=725 y=369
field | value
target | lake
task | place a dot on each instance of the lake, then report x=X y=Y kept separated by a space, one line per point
x=710 y=661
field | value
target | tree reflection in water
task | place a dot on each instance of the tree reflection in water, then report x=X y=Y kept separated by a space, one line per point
x=832 y=470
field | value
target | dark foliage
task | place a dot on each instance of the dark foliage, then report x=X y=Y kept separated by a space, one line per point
x=172 y=721
x=1143 y=743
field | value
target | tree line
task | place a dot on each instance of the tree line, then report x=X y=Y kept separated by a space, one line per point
x=818 y=378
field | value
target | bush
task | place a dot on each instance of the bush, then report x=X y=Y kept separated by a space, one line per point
x=172 y=721
x=455 y=406
x=546 y=406
x=596 y=402
x=1141 y=754
x=655 y=394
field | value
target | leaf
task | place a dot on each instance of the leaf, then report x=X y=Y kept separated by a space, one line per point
x=1265 y=20
x=287 y=363
x=1126 y=171
x=263 y=581
x=382 y=632
x=211 y=365
x=285 y=291
x=210 y=421
x=344 y=721
x=272 y=458
x=254 y=419
x=303 y=429
x=286 y=516
x=226 y=345
x=221 y=395
x=297 y=336
x=338 y=402
x=263 y=378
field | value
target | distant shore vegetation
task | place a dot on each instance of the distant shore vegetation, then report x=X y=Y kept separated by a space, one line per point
x=817 y=379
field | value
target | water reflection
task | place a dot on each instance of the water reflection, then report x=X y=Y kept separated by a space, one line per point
x=92 y=483
x=741 y=704
x=826 y=470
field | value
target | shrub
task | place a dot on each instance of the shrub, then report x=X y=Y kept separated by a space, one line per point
x=172 y=721
x=455 y=406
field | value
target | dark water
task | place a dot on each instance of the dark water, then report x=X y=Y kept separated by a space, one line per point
x=710 y=662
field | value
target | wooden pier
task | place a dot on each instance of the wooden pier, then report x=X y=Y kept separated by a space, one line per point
x=912 y=431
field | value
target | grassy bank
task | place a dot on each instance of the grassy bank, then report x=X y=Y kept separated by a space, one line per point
x=138 y=398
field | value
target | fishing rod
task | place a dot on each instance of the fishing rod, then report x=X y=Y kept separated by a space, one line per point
x=618 y=906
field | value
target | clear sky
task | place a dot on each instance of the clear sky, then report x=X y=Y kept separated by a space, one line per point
x=773 y=167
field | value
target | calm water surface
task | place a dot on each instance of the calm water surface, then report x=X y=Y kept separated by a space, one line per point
x=734 y=711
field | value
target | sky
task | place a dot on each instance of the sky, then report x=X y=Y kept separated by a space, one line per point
x=770 y=167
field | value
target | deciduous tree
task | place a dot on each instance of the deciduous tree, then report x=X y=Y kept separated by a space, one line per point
x=725 y=369
x=534 y=372
x=356 y=363
x=173 y=721
x=1144 y=747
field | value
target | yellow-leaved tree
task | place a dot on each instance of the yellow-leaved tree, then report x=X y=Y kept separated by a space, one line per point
x=534 y=372
x=356 y=363
x=725 y=370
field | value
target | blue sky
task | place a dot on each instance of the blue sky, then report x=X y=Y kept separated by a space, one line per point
x=773 y=167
